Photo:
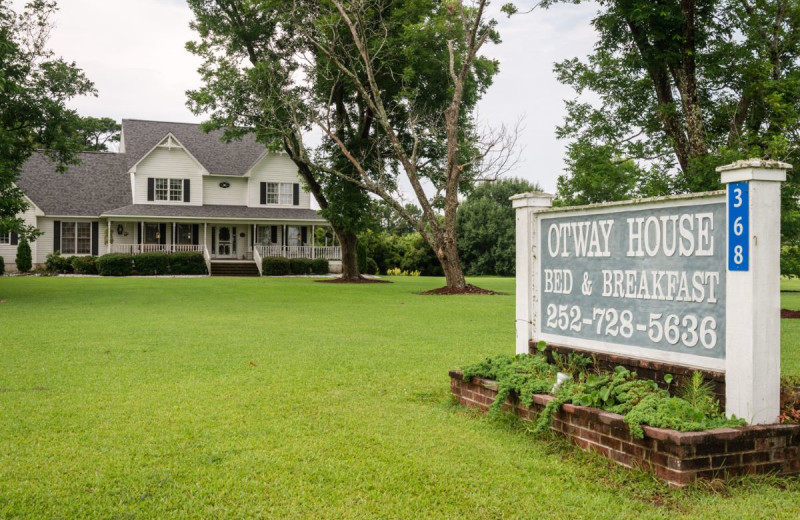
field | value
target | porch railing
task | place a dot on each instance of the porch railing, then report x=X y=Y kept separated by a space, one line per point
x=328 y=252
x=207 y=258
x=135 y=249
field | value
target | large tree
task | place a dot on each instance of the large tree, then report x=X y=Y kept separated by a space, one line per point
x=391 y=85
x=679 y=88
x=34 y=89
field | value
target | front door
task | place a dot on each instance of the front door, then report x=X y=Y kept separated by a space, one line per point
x=226 y=243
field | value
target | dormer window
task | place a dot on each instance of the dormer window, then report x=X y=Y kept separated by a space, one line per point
x=280 y=193
x=169 y=189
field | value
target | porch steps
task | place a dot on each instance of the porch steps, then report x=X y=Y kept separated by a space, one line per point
x=234 y=268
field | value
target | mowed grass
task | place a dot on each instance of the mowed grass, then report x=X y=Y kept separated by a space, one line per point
x=285 y=398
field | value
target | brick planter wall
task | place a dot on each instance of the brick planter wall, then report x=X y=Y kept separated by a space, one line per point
x=677 y=457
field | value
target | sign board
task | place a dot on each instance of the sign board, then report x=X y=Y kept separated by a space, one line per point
x=643 y=280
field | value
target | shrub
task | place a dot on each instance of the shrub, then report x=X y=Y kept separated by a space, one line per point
x=300 y=266
x=115 y=264
x=361 y=257
x=408 y=252
x=154 y=263
x=320 y=266
x=275 y=266
x=84 y=264
x=2 y=266
x=372 y=267
x=187 y=263
x=24 y=259
x=55 y=263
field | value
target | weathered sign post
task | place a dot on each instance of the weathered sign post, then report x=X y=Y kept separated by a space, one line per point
x=690 y=281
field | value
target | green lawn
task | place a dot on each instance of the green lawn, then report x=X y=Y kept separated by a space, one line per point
x=284 y=398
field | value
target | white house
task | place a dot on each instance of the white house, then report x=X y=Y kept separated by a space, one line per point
x=171 y=188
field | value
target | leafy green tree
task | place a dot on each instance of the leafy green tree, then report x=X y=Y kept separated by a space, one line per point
x=681 y=87
x=34 y=89
x=97 y=133
x=24 y=258
x=487 y=229
x=391 y=85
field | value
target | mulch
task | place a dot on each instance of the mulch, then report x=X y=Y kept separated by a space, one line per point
x=469 y=289
x=359 y=280
x=787 y=314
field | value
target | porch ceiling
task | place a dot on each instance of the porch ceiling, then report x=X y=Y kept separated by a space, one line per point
x=214 y=212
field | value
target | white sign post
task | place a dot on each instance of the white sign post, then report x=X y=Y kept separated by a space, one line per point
x=753 y=361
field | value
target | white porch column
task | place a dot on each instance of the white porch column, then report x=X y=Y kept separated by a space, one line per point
x=205 y=236
x=752 y=316
x=108 y=232
x=527 y=278
x=313 y=241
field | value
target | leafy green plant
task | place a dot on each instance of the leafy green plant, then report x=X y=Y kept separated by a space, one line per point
x=699 y=393
x=115 y=264
x=24 y=258
x=84 y=264
x=153 y=263
x=300 y=266
x=187 y=262
x=275 y=266
x=2 y=266
x=521 y=375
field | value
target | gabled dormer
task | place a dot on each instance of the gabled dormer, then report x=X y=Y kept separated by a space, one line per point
x=168 y=174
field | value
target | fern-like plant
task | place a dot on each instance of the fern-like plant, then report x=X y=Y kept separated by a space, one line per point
x=700 y=394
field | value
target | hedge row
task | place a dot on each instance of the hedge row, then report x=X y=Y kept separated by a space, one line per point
x=156 y=263
x=279 y=266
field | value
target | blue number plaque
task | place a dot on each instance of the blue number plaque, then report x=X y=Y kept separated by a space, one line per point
x=738 y=226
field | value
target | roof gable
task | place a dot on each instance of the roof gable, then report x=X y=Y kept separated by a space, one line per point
x=217 y=157
x=169 y=142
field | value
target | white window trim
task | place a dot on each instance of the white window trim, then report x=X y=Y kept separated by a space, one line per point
x=280 y=193
x=75 y=238
x=173 y=191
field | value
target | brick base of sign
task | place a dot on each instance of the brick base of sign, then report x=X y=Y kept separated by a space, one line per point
x=655 y=370
x=677 y=457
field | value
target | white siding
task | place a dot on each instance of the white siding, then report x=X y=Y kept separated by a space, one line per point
x=234 y=195
x=9 y=252
x=166 y=163
x=275 y=168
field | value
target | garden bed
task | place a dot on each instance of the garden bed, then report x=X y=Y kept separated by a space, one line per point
x=677 y=457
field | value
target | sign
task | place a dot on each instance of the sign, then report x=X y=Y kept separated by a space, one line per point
x=738 y=226
x=648 y=277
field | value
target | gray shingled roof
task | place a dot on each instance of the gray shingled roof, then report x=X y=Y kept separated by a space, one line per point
x=214 y=212
x=219 y=158
x=99 y=183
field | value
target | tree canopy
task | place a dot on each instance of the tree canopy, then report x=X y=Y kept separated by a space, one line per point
x=487 y=228
x=34 y=89
x=679 y=88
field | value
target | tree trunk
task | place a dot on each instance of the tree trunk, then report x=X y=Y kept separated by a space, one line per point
x=447 y=253
x=348 y=241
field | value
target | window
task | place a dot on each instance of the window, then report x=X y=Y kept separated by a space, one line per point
x=169 y=189
x=184 y=234
x=280 y=193
x=152 y=233
x=76 y=238
x=5 y=239
x=263 y=235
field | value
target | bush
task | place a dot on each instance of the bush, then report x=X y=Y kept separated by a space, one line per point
x=408 y=252
x=361 y=257
x=320 y=266
x=275 y=266
x=24 y=259
x=55 y=263
x=84 y=264
x=154 y=263
x=115 y=264
x=372 y=267
x=2 y=266
x=187 y=263
x=300 y=266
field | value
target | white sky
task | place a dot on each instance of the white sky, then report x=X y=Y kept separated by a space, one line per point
x=133 y=50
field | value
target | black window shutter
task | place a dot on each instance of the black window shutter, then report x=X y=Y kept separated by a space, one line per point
x=151 y=189
x=162 y=230
x=252 y=238
x=56 y=235
x=14 y=238
x=186 y=197
x=273 y=236
x=195 y=234
x=263 y=193
x=213 y=239
x=296 y=195
x=304 y=234
x=95 y=238
x=140 y=233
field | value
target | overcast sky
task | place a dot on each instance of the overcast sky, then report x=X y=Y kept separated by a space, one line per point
x=134 y=52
